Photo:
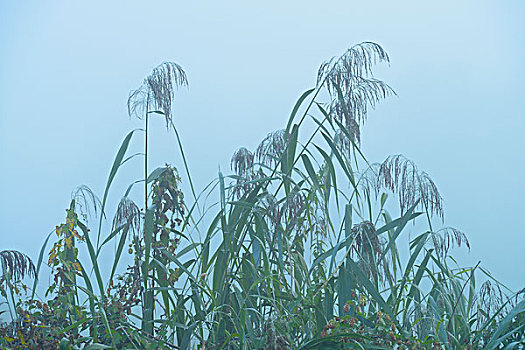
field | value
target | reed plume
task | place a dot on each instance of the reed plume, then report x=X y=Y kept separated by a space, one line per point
x=16 y=264
x=157 y=92
x=351 y=85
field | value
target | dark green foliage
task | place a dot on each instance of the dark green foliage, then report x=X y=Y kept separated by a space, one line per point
x=298 y=251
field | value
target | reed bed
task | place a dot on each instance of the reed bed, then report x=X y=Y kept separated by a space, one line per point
x=302 y=246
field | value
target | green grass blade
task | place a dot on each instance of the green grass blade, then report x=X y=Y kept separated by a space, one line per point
x=39 y=263
x=113 y=172
x=93 y=257
x=296 y=108
x=118 y=253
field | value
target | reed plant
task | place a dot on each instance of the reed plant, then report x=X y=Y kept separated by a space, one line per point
x=301 y=247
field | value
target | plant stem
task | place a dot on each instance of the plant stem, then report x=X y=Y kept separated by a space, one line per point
x=147 y=323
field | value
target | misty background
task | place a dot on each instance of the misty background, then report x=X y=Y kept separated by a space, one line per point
x=66 y=69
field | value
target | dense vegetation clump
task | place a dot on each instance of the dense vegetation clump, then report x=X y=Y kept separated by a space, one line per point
x=300 y=248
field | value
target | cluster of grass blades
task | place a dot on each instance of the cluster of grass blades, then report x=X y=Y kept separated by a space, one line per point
x=298 y=249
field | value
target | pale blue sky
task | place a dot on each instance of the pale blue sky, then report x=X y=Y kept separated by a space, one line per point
x=66 y=69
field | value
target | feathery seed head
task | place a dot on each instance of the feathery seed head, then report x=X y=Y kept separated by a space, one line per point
x=157 y=92
x=400 y=175
x=16 y=264
x=351 y=85
x=127 y=213
x=271 y=147
x=446 y=238
x=242 y=162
